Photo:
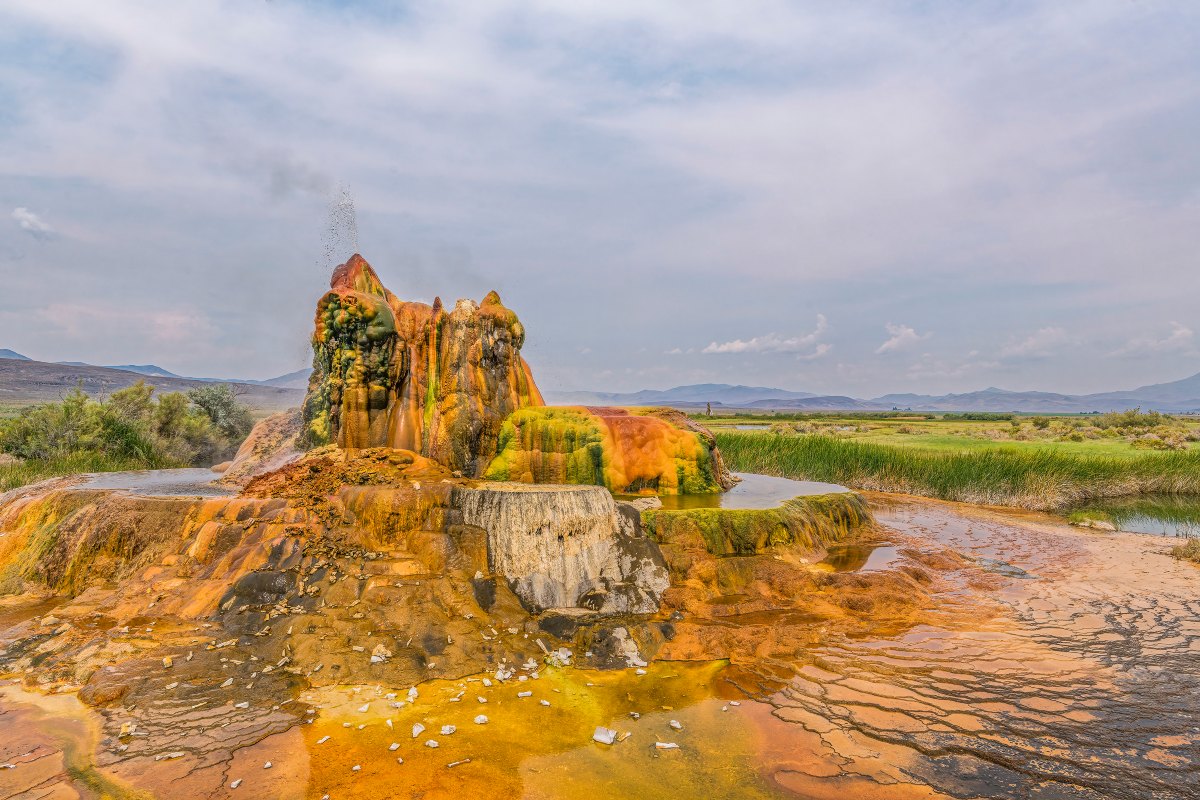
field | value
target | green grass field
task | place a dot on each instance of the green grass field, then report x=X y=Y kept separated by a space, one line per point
x=1048 y=477
x=960 y=436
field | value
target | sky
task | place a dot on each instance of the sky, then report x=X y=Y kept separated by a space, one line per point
x=841 y=198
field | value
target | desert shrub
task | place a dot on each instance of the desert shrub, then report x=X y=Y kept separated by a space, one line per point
x=134 y=428
x=1133 y=418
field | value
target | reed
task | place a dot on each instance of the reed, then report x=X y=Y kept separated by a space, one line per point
x=34 y=470
x=1039 y=479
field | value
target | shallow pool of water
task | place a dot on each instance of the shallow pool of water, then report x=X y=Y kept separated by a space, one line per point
x=1164 y=515
x=871 y=557
x=754 y=491
x=159 y=482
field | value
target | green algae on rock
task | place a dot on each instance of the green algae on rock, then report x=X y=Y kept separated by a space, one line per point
x=627 y=451
x=390 y=373
x=813 y=522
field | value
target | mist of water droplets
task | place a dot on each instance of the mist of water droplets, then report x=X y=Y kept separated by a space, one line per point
x=341 y=233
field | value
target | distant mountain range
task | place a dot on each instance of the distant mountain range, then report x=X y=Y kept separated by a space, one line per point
x=700 y=393
x=1177 y=396
x=24 y=381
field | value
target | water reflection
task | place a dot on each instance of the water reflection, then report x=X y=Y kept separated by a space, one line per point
x=864 y=557
x=1164 y=515
x=754 y=491
x=159 y=482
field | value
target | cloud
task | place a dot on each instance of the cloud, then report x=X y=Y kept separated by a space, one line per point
x=1181 y=339
x=1041 y=344
x=173 y=326
x=774 y=343
x=32 y=224
x=930 y=367
x=821 y=350
x=903 y=337
x=581 y=149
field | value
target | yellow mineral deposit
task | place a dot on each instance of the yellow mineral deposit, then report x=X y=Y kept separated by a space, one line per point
x=425 y=587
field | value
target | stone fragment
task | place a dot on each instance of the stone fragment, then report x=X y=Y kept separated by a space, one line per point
x=604 y=735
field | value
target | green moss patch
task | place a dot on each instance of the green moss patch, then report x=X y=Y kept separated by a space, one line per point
x=812 y=522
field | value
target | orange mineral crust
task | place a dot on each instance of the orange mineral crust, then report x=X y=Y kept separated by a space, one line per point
x=390 y=373
x=639 y=451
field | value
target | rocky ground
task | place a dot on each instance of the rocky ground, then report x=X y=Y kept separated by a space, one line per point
x=990 y=655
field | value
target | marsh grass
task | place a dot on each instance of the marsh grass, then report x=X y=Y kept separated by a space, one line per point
x=1188 y=552
x=1029 y=478
x=32 y=471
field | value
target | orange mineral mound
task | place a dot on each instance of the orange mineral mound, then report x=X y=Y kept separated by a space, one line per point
x=655 y=451
x=390 y=373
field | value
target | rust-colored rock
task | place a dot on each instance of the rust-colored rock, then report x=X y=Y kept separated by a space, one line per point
x=272 y=443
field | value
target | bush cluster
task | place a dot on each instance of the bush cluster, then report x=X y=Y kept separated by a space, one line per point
x=132 y=427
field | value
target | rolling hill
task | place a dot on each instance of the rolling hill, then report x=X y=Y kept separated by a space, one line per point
x=26 y=382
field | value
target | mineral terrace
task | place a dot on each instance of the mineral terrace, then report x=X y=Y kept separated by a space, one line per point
x=426 y=583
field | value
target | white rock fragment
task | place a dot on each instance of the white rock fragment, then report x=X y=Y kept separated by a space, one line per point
x=734 y=703
x=459 y=763
x=481 y=699
x=524 y=694
x=268 y=765
x=676 y=724
x=235 y=784
x=431 y=743
x=227 y=684
x=666 y=745
x=394 y=746
x=604 y=735
x=481 y=719
x=172 y=685
x=447 y=730
x=364 y=708
x=639 y=671
x=243 y=704
x=418 y=729
x=323 y=739
x=356 y=768
x=544 y=702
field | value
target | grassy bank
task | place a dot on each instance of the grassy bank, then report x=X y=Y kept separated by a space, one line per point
x=26 y=472
x=1120 y=435
x=1046 y=479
